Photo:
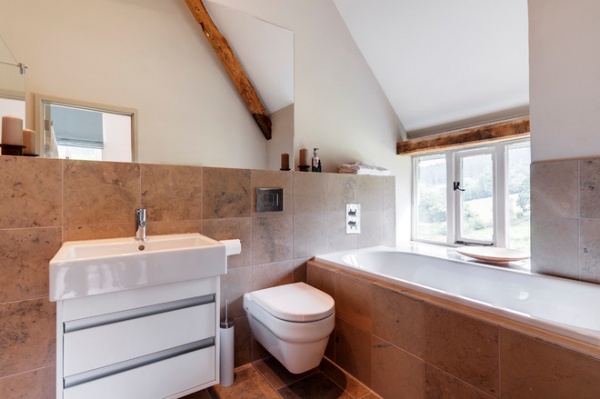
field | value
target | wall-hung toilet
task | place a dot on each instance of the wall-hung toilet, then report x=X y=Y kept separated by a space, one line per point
x=293 y=322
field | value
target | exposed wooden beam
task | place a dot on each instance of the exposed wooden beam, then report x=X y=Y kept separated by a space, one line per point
x=504 y=130
x=232 y=66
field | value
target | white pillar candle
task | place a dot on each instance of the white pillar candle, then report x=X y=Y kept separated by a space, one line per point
x=30 y=142
x=12 y=130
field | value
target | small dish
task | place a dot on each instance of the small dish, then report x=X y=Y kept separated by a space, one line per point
x=493 y=254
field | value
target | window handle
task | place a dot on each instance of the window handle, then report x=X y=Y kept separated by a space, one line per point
x=457 y=186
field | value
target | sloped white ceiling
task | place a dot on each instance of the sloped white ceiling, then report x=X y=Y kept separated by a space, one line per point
x=445 y=63
x=265 y=51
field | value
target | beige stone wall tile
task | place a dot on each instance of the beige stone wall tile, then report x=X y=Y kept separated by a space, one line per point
x=389 y=192
x=371 y=231
x=242 y=342
x=589 y=253
x=397 y=374
x=100 y=194
x=399 y=320
x=99 y=231
x=258 y=351
x=172 y=227
x=555 y=189
x=589 y=188
x=31 y=194
x=234 y=284
x=370 y=193
x=310 y=234
x=24 y=258
x=555 y=246
x=310 y=192
x=353 y=350
x=353 y=301
x=342 y=189
x=389 y=228
x=337 y=239
x=274 y=179
x=36 y=384
x=272 y=239
x=299 y=269
x=226 y=193
x=272 y=274
x=321 y=278
x=464 y=347
x=531 y=368
x=27 y=336
x=171 y=193
x=439 y=384
x=228 y=229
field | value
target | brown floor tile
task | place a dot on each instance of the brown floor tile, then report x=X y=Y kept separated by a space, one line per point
x=277 y=375
x=345 y=381
x=316 y=386
x=248 y=384
x=268 y=379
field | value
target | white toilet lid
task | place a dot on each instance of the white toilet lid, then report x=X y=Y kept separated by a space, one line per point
x=294 y=302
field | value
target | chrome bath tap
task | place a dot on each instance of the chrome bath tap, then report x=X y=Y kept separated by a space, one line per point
x=140 y=224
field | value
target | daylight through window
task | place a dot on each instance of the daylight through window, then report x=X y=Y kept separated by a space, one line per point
x=473 y=196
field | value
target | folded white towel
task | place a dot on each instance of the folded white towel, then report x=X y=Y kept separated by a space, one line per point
x=363 y=168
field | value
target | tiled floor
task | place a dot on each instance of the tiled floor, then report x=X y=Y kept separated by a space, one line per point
x=265 y=379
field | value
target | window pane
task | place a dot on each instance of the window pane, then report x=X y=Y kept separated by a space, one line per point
x=430 y=188
x=519 y=159
x=477 y=201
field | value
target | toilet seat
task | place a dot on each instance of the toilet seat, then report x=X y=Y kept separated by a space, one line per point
x=297 y=302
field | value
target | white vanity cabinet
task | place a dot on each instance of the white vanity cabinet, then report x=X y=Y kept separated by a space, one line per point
x=137 y=319
x=155 y=342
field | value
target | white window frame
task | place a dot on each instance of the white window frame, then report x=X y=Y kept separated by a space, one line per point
x=499 y=151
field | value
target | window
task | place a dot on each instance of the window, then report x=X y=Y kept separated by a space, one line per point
x=473 y=196
x=77 y=130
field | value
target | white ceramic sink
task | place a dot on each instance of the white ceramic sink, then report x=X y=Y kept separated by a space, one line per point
x=92 y=267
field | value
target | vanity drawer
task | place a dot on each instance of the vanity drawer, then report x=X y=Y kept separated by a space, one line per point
x=89 y=348
x=157 y=380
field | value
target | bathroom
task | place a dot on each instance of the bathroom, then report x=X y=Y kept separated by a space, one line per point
x=204 y=123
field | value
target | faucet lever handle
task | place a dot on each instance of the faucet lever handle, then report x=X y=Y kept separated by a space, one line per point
x=140 y=215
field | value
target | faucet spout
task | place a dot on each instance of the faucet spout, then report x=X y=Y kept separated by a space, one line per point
x=140 y=224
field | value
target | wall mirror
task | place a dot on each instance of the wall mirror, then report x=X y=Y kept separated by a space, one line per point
x=72 y=129
x=12 y=84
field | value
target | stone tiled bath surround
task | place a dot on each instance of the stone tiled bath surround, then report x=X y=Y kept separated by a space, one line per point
x=44 y=202
x=408 y=345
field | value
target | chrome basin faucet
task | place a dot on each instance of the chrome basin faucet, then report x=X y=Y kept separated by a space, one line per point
x=140 y=224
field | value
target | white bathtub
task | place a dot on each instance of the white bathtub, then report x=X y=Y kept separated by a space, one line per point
x=567 y=307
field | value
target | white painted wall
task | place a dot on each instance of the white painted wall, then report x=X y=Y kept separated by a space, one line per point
x=117 y=137
x=283 y=138
x=564 y=78
x=145 y=54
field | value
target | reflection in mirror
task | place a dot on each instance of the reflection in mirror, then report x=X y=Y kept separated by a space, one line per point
x=12 y=84
x=76 y=130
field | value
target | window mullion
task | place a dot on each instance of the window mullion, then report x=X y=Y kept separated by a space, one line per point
x=500 y=197
x=453 y=210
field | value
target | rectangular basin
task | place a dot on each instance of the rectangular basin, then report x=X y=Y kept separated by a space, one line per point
x=93 y=267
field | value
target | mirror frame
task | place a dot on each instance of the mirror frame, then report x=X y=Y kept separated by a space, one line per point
x=40 y=99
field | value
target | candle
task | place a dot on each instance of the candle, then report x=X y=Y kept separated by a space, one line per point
x=12 y=130
x=30 y=142
x=285 y=161
x=303 y=157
